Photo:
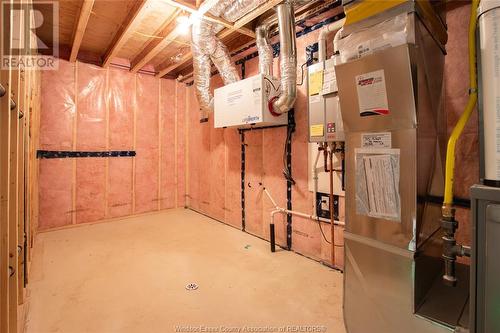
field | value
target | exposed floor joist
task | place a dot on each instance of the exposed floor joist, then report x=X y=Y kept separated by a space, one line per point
x=256 y=13
x=126 y=30
x=194 y=10
x=187 y=57
x=156 y=46
x=228 y=32
x=81 y=26
x=150 y=53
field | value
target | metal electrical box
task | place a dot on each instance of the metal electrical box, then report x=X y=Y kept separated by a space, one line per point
x=325 y=119
x=246 y=103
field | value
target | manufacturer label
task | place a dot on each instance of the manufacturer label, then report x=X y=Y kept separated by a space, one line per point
x=372 y=94
x=317 y=130
x=376 y=140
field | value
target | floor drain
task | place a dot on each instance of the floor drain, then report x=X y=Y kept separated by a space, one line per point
x=191 y=286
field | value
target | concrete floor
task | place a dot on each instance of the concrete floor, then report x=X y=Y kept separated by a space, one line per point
x=130 y=276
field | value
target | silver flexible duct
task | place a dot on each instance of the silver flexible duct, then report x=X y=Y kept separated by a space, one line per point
x=288 y=58
x=265 y=49
x=207 y=48
x=238 y=8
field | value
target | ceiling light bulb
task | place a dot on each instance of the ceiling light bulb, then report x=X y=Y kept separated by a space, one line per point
x=182 y=19
x=183 y=24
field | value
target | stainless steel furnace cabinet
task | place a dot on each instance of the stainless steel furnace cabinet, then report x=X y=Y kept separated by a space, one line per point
x=392 y=108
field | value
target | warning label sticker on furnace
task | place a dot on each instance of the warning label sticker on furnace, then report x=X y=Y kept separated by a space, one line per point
x=377 y=183
x=372 y=94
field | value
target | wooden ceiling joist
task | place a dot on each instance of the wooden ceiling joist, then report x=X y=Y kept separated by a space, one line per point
x=227 y=32
x=157 y=45
x=207 y=16
x=81 y=26
x=154 y=48
x=126 y=30
x=188 y=56
x=256 y=13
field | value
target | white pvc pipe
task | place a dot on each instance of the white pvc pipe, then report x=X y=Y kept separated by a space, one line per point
x=323 y=34
x=292 y=212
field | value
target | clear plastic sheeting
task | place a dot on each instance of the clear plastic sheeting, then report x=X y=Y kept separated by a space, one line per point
x=377 y=183
x=88 y=108
x=59 y=108
x=390 y=33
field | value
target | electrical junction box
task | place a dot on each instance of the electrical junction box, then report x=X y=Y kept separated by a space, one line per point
x=245 y=103
x=325 y=119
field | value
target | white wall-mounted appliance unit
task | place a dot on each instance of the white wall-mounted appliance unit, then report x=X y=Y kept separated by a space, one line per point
x=246 y=103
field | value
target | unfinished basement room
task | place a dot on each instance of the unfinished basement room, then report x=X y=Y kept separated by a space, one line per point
x=250 y=166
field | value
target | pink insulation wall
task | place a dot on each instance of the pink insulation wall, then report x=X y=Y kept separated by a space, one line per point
x=88 y=108
x=181 y=161
x=214 y=161
x=214 y=174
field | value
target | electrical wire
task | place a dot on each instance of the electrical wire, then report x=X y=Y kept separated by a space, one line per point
x=271 y=82
x=302 y=74
x=322 y=233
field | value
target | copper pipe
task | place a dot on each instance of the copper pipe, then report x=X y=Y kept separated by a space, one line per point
x=332 y=151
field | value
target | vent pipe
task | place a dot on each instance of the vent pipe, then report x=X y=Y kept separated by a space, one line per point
x=264 y=48
x=207 y=49
x=288 y=59
x=324 y=33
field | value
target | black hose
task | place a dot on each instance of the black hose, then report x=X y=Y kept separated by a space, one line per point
x=272 y=238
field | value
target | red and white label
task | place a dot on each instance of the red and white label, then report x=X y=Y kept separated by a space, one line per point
x=372 y=94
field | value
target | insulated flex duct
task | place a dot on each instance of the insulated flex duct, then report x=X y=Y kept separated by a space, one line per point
x=288 y=59
x=265 y=49
x=208 y=49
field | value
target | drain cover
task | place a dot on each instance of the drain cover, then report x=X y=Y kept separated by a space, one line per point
x=191 y=286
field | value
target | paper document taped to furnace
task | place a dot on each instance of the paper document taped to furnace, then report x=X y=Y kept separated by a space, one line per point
x=377 y=183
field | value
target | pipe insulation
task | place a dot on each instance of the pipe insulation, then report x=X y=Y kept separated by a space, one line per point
x=264 y=48
x=288 y=59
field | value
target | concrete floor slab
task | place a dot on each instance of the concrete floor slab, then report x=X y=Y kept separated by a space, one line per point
x=130 y=276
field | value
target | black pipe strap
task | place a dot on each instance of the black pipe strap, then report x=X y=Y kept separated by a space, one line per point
x=77 y=154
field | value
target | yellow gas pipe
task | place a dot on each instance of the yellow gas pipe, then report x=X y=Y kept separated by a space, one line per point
x=447 y=209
